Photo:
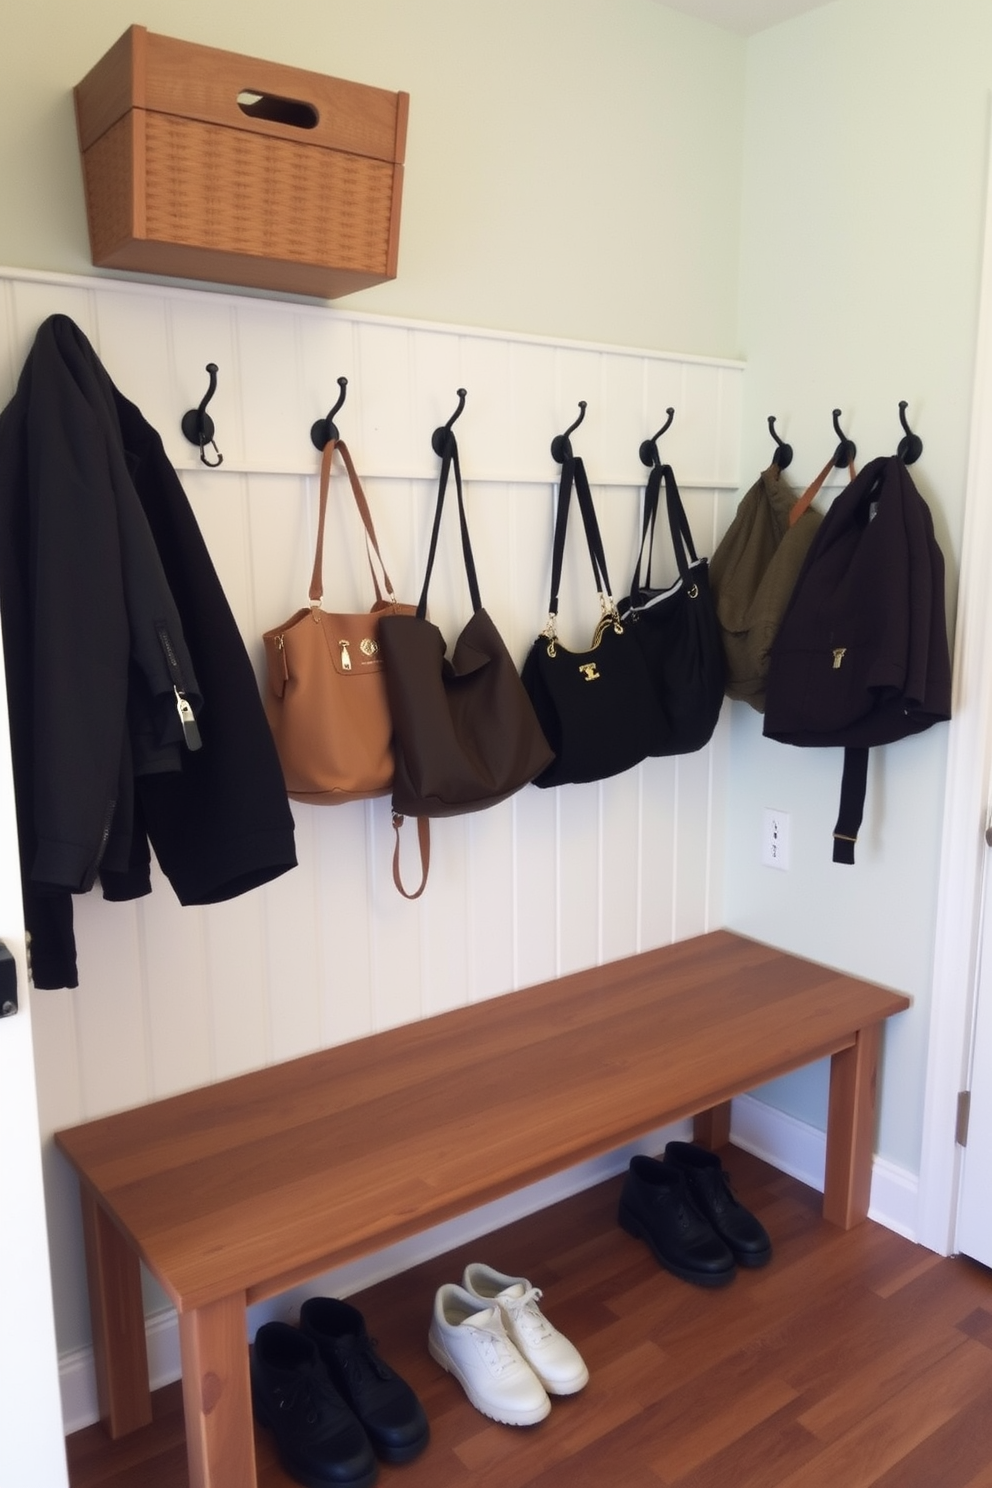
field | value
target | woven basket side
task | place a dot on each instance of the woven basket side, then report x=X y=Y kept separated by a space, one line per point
x=220 y=188
x=109 y=184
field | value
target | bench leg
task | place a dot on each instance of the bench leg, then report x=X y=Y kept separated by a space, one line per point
x=851 y=1129
x=220 y=1443
x=711 y=1128
x=113 y=1275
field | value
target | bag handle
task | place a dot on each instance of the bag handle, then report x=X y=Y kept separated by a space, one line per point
x=449 y=462
x=424 y=841
x=573 y=473
x=678 y=524
x=371 y=545
x=805 y=501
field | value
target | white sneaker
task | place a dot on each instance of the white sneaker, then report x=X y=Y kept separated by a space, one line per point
x=472 y=1344
x=556 y=1362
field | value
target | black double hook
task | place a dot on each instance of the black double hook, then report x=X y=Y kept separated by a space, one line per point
x=440 y=436
x=198 y=426
x=911 y=445
x=325 y=429
x=782 y=458
x=561 y=445
x=846 y=450
x=648 y=451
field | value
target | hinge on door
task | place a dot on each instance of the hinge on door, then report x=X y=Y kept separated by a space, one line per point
x=964 y=1112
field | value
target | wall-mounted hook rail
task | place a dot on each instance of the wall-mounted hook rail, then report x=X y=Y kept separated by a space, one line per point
x=911 y=445
x=326 y=429
x=561 y=445
x=782 y=458
x=648 y=451
x=846 y=450
x=440 y=436
x=198 y=426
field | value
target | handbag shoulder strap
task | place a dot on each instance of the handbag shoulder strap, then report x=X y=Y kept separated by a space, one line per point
x=371 y=544
x=449 y=462
x=573 y=473
x=805 y=501
x=678 y=523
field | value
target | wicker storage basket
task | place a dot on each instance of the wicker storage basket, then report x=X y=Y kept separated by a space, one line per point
x=204 y=164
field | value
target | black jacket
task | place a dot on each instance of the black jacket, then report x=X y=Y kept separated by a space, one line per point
x=113 y=617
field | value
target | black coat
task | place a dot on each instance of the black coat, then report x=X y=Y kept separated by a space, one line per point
x=112 y=616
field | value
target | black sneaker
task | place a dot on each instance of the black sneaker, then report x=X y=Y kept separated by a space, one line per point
x=656 y=1207
x=319 y=1441
x=388 y=1409
x=710 y=1188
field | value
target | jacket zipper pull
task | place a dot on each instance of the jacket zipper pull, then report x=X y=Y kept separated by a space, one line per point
x=345 y=656
x=191 y=734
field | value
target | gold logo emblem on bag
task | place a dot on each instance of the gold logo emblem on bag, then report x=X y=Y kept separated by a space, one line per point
x=589 y=671
x=839 y=655
x=369 y=647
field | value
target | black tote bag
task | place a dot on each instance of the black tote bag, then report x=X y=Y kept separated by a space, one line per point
x=597 y=708
x=677 y=628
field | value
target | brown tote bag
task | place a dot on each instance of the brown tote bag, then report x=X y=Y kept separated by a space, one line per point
x=326 y=697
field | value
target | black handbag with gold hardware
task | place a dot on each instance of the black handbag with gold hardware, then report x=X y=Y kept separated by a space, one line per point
x=677 y=628
x=597 y=708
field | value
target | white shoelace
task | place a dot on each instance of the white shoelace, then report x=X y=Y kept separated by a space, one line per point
x=524 y=1313
x=498 y=1353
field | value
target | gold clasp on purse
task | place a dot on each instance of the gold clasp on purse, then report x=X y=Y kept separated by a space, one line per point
x=345 y=656
x=839 y=654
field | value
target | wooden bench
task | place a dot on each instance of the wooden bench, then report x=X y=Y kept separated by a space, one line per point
x=237 y=1191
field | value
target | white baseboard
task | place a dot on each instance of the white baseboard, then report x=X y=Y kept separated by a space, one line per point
x=789 y=1145
x=800 y=1150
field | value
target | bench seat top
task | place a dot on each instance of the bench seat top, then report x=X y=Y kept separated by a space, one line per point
x=255 y=1183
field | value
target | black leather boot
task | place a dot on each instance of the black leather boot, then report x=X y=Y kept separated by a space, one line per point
x=384 y=1403
x=320 y=1442
x=656 y=1207
x=710 y=1188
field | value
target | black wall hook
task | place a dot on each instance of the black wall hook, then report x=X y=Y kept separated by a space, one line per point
x=783 y=453
x=846 y=451
x=326 y=429
x=561 y=445
x=440 y=436
x=911 y=445
x=198 y=426
x=649 y=448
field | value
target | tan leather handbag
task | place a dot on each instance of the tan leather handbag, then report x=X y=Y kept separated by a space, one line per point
x=326 y=697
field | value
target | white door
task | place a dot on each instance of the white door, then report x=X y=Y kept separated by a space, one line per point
x=955 y=1197
x=32 y=1448
x=974 y=1230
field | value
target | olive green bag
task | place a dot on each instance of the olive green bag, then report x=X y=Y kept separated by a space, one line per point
x=753 y=573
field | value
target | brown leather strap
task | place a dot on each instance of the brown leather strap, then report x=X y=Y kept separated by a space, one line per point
x=806 y=499
x=424 y=839
x=371 y=544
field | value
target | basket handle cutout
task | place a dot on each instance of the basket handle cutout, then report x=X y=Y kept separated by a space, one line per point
x=276 y=110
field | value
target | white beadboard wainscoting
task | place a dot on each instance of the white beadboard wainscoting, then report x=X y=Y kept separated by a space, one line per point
x=546 y=883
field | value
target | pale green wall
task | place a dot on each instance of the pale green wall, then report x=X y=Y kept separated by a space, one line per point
x=865 y=138
x=573 y=166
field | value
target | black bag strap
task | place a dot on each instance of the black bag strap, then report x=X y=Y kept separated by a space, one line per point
x=371 y=545
x=678 y=523
x=573 y=474
x=854 y=783
x=449 y=462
